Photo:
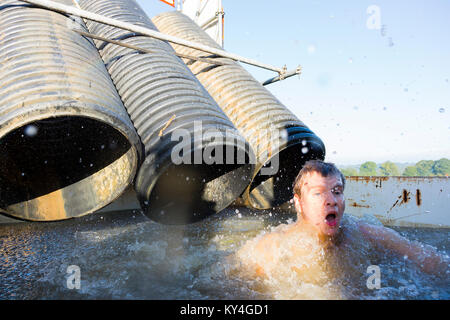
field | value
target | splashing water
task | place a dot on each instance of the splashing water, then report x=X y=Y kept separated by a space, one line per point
x=31 y=130
x=127 y=256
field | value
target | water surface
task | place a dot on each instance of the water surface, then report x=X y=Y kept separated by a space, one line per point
x=127 y=256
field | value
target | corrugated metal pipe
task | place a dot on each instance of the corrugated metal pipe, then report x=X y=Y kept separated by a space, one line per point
x=67 y=144
x=196 y=162
x=281 y=142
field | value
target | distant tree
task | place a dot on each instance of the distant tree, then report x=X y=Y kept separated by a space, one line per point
x=441 y=167
x=425 y=168
x=389 y=168
x=349 y=172
x=368 y=168
x=410 y=171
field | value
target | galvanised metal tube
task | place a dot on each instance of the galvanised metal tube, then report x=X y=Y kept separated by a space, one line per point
x=67 y=144
x=282 y=142
x=168 y=104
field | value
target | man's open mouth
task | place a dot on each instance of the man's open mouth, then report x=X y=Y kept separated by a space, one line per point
x=331 y=220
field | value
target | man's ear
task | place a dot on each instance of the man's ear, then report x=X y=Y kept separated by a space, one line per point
x=297 y=205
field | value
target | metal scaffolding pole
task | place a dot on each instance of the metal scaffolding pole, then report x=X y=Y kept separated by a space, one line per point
x=284 y=75
x=126 y=45
x=54 y=6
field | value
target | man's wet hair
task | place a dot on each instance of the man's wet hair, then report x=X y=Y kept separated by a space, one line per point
x=326 y=169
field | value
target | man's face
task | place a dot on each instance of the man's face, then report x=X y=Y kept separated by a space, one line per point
x=322 y=202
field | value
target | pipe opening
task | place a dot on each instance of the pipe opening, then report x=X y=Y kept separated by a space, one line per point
x=48 y=155
x=268 y=191
x=188 y=193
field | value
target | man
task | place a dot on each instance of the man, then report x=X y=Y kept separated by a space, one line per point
x=319 y=202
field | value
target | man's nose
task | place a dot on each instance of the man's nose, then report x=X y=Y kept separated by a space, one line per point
x=331 y=199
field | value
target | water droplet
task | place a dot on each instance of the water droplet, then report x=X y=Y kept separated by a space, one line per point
x=23 y=174
x=391 y=43
x=303 y=142
x=384 y=108
x=356 y=107
x=239 y=215
x=334 y=152
x=350 y=60
x=91 y=165
x=305 y=150
x=31 y=130
x=406 y=89
x=237 y=211
x=441 y=110
x=102 y=146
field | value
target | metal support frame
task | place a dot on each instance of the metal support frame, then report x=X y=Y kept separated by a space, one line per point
x=284 y=75
x=54 y=6
x=126 y=45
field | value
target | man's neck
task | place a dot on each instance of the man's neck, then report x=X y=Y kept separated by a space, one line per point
x=323 y=239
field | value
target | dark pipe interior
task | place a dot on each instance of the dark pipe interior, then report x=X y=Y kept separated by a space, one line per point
x=47 y=155
x=177 y=197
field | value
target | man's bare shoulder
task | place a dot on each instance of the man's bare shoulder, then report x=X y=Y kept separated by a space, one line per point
x=274 y=237
x=264 y=245
x=259 y=254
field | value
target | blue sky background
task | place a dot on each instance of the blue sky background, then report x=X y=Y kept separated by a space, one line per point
x=368 y=94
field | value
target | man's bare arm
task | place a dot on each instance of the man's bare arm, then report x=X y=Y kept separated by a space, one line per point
x=426 y=257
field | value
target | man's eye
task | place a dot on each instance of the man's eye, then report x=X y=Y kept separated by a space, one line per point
x=317 y=194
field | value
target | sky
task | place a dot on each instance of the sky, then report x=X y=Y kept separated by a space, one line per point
x=375 y=74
